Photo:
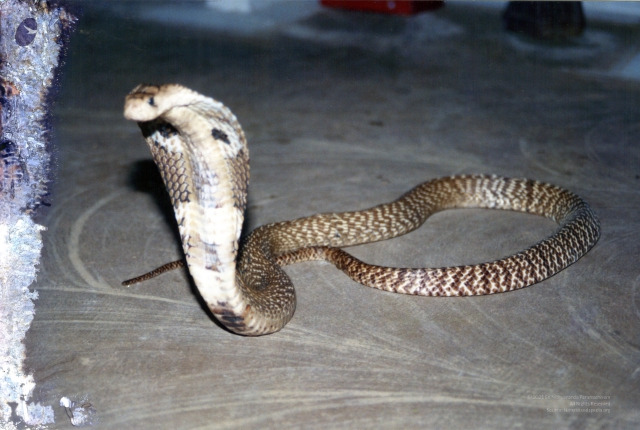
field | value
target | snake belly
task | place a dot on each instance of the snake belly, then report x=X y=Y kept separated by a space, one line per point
x=201 y=152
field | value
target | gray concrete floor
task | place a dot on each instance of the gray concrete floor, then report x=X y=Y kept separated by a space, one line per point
x=344 y=111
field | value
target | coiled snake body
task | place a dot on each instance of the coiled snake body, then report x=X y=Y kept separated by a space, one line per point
x=202 y=154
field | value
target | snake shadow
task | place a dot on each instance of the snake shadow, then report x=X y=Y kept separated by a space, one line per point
x=145 y=177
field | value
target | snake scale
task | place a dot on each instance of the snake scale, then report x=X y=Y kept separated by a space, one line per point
x=202 y=155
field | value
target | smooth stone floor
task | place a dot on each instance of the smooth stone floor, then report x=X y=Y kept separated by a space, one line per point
x=333 y=125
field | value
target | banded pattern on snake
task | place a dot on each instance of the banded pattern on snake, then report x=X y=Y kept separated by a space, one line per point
x=202 y=154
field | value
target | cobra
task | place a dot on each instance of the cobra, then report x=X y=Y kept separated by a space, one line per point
x=201 y=152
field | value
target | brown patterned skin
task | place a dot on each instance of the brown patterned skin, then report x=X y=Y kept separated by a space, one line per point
x=202 y=155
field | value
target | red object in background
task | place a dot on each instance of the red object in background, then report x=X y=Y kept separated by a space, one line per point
x=399 y=7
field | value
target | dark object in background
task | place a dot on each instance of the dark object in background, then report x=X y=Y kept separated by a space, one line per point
x=26 y=32
x=545 y=20
x=400 y=7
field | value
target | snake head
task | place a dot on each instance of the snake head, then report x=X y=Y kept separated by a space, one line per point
x=148 y=102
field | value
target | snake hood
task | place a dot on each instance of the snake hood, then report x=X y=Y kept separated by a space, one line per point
x=202 y=155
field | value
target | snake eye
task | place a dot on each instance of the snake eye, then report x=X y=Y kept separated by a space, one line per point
x=151 y=101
